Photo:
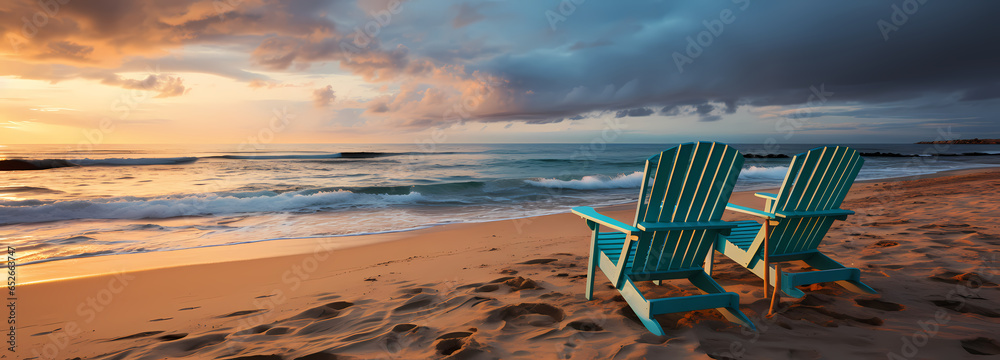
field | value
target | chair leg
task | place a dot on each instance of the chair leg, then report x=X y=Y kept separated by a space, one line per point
x=589 y=293
x=788 y=286
x=635 y=300
x=709 y=259
x=651 y=324
x=857 y=286
x=731 y=312
x=823 y=262
x=592 y=265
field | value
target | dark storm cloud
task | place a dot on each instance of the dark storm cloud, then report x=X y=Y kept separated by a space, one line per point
x=637 y=112
x=768 y=54
x=984 y=92
x=670 y=110
x=704 y=109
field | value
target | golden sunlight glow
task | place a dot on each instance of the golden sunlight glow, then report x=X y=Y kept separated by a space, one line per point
x=32 y=132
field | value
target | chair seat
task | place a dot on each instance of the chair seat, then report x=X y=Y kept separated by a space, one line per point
x=743 y=234
x=610 y=243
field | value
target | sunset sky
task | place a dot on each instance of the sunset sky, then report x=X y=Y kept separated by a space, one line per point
x=381 y=71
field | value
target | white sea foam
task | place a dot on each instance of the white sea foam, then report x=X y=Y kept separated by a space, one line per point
x=764 y=172
x=634 y=180
x=622 y=181
x=196 y=205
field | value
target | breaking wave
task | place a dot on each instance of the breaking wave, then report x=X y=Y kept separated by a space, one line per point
x=194 y=205
x=596 y=182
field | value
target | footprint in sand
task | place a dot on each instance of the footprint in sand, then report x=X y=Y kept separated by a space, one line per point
x=319 y=356
x=890 y=222
x=137 y=335
x=46 y=332
x=883 y=244
x=551 y=295
x=257 y=357
x=966 y=307
x=254 y=330
x=815 y=300
x=192 y=344
x=278 y=331
x=416 y=302
x=403 y=327
x=824 y=317
x=172 y=337
x=943 y=226
x=323 y=312
x=449 y=343
x=583 y=325
x=469 y=286
x=241 y=313
x=981 y=346
x=969 y=279
x=534 y=314
x=814 y=308
x=487 y=288
x=539 y=261
x=880 y=304
x=418 y=290
x=455 y=335
x=520 y=283
x=340 y=305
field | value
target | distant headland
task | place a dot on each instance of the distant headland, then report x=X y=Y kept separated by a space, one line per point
x=963 y=141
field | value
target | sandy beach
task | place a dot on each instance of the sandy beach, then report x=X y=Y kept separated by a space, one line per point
x=514 y=289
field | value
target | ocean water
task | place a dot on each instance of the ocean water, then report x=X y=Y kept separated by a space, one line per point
x=120 y=199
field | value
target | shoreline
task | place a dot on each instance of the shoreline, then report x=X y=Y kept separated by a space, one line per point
x=77 y=267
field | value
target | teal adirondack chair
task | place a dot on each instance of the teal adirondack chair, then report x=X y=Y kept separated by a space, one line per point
x=799 y=217
x=684 y=193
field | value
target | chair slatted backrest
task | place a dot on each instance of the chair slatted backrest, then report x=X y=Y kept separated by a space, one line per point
x=688 y=183
x=817 y=180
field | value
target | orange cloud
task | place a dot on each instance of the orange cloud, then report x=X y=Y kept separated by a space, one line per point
x=103 y=32
x=166 y=86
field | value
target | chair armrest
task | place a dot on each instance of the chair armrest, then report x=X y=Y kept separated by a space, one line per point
x=590 y=214
x=765 y=195
x=693 y=225
x=799 y=214
x=750 y=211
